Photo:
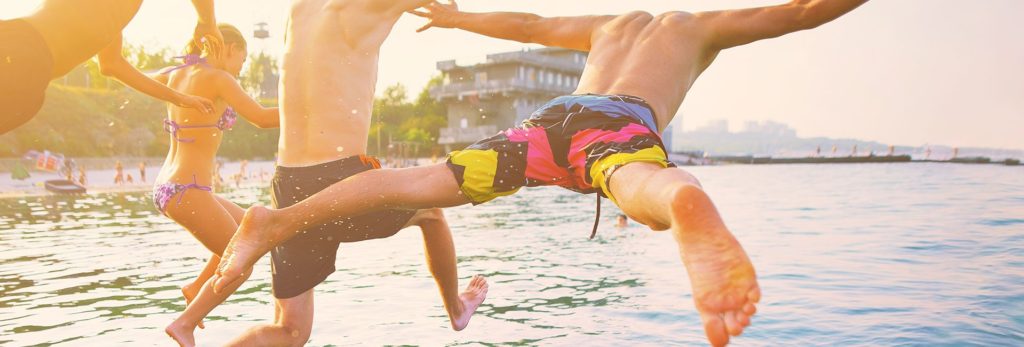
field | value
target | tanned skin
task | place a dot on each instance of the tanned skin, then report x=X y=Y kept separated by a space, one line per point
x=655 y=57
x=76 y=32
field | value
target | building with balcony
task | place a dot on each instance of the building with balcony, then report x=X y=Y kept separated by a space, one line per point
x=503 y=90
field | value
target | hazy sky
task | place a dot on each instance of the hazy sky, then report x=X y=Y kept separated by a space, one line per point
x=907 y=72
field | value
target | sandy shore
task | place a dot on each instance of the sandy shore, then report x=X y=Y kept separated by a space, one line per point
x=101 y=181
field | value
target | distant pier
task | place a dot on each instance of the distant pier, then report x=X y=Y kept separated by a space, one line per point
x=690 y=159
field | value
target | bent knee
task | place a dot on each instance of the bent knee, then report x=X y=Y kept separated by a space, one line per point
x=687 y=194
x=297 y=334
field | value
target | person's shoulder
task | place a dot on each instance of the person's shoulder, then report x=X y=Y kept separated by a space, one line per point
x=214 y=76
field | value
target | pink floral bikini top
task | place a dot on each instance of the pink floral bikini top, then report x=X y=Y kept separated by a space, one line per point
x=226 y=121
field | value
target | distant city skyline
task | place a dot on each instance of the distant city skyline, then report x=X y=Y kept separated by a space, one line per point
x=908 y=72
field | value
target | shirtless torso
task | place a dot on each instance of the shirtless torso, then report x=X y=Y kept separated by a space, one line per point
x=328 y=76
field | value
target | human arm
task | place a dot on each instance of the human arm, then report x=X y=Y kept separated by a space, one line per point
x=731 y=28
x=567 y=32
x=113 y=64
x=232 y=93
x=206 y=27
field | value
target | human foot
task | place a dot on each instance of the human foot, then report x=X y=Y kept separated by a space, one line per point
x=470 y=300
x=256 y=235
x=181 y=333
x=725 y=288
x=190 y=291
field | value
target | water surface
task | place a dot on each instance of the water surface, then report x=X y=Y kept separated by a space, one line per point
x=853 y=255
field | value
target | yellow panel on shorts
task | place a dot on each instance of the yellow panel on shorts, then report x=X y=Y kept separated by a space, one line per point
x=647 y=155
x=478 y=179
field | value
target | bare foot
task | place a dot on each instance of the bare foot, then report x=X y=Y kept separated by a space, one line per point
x=725 y=288
x=190 y=291
x=470 y=300
x=181 y=334
x=255 y=237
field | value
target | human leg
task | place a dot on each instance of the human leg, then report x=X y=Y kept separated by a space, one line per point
x=191 y=290
x=262 y=229
x=206 y=217
x=439 y=250
x=293 y=323
x=725 y=288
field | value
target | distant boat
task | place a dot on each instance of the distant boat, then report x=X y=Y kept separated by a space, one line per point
x=64 y=187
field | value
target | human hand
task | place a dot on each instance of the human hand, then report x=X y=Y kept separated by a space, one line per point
x=440 y=15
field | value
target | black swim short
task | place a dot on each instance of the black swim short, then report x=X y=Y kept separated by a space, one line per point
x=306 y=260
x=26 y=67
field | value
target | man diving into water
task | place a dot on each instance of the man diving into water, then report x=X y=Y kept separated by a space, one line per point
x=605 y=138
x=328 y=76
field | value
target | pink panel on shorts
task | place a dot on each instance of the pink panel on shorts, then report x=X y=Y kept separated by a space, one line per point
x=540 y=162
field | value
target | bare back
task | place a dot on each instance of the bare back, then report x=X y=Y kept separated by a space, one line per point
x=75 y=31
x=328 y=76
x=652 y=57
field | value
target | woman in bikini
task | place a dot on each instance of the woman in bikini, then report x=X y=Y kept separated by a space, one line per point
x=182 y=190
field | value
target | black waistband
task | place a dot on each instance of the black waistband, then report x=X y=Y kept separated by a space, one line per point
x=356 y=161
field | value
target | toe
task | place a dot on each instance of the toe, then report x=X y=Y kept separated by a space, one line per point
x=754 y=295
x=714 y=327
x=732 y=323
x=750 y=309
x=743 y=319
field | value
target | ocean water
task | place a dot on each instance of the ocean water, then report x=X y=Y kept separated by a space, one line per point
x=848 y=255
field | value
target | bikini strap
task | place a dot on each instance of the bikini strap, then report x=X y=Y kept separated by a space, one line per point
x=193 y=185
x=188 y=60
x=173 y=128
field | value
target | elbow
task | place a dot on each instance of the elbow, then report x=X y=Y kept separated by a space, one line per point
x=106 y=69
x=110 y=68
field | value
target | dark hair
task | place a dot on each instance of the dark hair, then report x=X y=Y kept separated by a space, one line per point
x=231 y=36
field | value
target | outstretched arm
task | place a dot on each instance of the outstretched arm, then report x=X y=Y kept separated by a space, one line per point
x=235 y=96
x=731 y=28
x=566 y=32
x=113 y=64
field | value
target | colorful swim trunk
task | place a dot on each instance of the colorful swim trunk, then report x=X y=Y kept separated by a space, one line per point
x=26 y=67
x=307 y=259
x=574 y=141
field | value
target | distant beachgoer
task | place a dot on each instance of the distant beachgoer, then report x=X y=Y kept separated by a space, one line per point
x=142 y=172
x=130 y=180
x=603 y=138
x=119 y=173
x=182 y=189
x=242 y=169
x=81 y=175
x=621 y=221
x=61 y=35
x=69 y=169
